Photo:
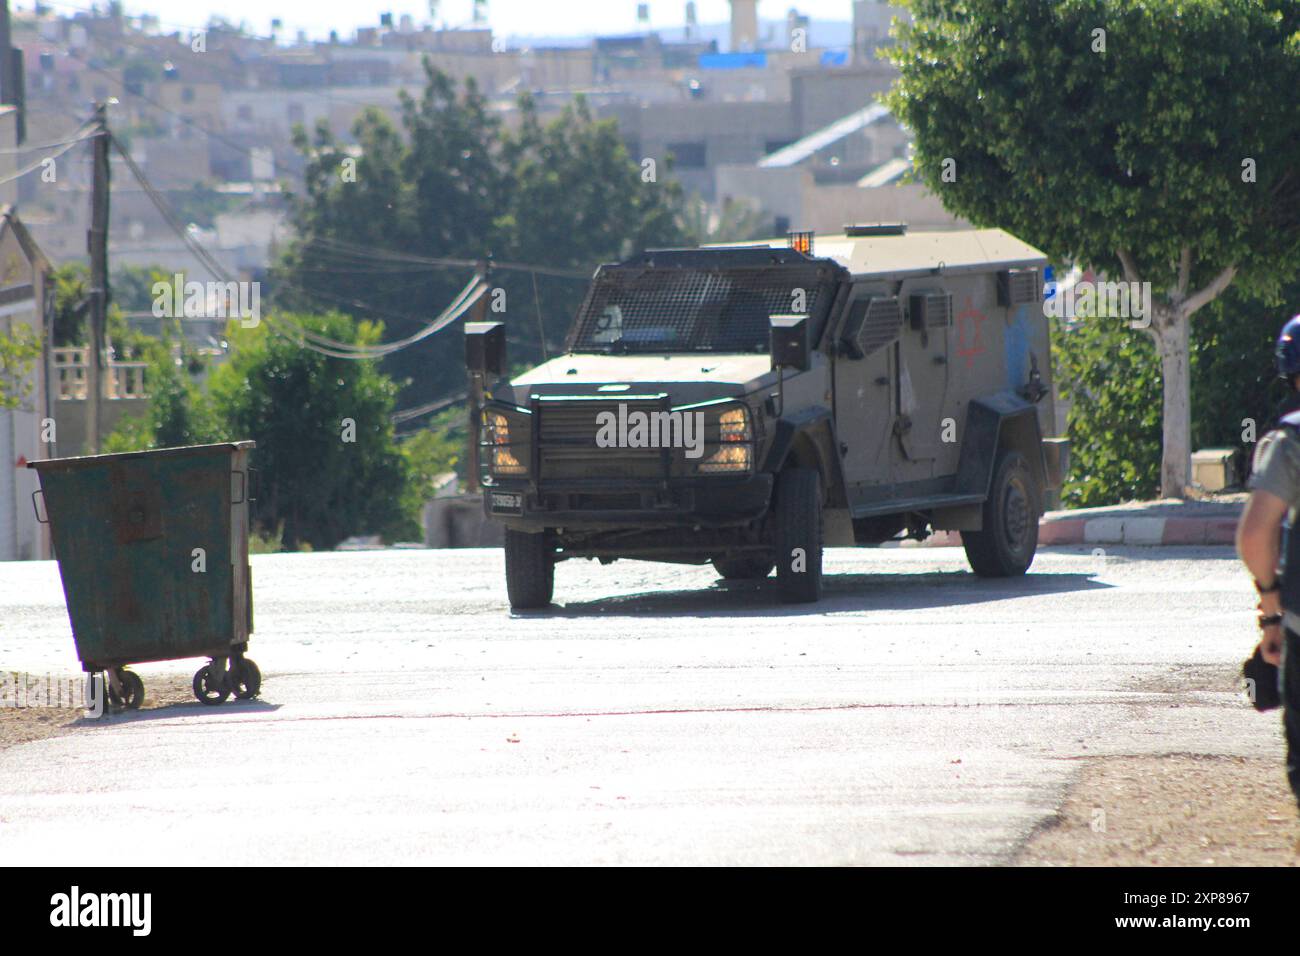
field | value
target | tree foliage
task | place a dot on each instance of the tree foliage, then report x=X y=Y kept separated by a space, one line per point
x=178 y=413
x=1110 y=377
x=453 y=183
x=19 y=350
x=1151 y=139
x=1139 y=147
x=328 y=462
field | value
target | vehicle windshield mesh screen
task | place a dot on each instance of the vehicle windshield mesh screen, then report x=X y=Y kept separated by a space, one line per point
x=691 y=310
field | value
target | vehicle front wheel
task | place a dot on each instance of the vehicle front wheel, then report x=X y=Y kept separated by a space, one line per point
x=743 y=569
x=530 y=569
x=1006 y=546
x=798 y=514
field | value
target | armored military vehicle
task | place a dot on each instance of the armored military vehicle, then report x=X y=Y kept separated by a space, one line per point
x=748 y=405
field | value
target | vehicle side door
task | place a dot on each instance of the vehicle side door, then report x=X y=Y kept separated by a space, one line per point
x=865 y=375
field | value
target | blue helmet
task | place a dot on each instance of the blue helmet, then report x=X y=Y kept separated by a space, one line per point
x=1288 y=348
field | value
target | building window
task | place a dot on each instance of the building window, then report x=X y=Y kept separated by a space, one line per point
x=295 y=113
x=689 y=155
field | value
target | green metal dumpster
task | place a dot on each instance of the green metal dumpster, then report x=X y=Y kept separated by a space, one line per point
x=153 y=552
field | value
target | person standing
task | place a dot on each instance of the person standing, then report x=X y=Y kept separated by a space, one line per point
x=1267 y=548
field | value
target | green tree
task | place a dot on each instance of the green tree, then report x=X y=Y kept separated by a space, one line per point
x=132 y=286
x=326 y=454
x=1150 y=139
x=130 y=290
x=179 y=413
x=433 y=451
x=451 y=183
x=734 y=221
x=200 y=204
x=19 y=351
x=71 y=296
x=1110 y=378
x=430 y=189
x=575 y=198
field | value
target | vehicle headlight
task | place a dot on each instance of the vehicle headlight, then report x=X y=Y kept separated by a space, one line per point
x=502 y=458
x=737 y=449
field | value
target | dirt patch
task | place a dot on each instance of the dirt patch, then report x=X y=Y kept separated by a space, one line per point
x=1193 y=678
x=1176 y=810
x=20 y=725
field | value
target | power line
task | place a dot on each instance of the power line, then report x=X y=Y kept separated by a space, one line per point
x=306 y=338
x=74 y=138
x=37 y=164
x=373 y=253
x=406 y=414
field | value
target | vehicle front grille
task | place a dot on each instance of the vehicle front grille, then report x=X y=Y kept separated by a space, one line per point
x=568 y=449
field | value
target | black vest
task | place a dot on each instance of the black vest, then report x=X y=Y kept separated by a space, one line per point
x=1290 y=424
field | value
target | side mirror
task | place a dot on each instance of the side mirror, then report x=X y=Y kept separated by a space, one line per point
x=485 y=348
x=789 y=342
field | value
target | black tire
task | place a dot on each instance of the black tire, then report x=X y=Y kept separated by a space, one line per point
x=132 y=690
x=132 y=695
x=798 y=533
x=206 y=689
x=245 y=678
x=749 y=568
x=1006 y=546
x=530 y=569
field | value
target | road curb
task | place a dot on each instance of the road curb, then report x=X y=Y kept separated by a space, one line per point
x=1152 y=532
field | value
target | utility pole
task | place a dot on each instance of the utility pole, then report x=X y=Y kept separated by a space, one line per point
x=97 y=313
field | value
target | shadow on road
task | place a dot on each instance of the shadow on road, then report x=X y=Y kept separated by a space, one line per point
x=841 y=592
x=178 y=709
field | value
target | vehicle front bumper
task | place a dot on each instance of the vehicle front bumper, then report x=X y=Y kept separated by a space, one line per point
x=604 y=505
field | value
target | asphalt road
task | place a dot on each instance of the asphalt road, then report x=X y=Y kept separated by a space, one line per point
x=655 y=715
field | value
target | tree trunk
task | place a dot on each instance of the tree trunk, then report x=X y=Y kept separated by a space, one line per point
x=1171 y=328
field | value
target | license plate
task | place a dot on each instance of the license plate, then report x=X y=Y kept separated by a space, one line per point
x=507 y=502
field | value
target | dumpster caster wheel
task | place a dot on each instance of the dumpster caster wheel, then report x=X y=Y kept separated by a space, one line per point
x=132 y=695
x=207 y=688
x=245 y=679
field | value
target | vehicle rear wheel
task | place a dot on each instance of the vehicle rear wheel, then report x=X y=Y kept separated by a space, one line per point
x=798 y=517
x=530 y=569
x=743 y=569
x=1006 y=546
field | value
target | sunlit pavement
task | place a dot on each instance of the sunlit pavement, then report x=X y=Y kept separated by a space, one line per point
x=654 y=715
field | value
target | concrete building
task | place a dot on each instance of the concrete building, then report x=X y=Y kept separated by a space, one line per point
x=25 y=311
x=700 y=136
x=871 y=23
x=848 y=172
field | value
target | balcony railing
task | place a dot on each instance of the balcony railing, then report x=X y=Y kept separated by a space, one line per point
x=121 y=380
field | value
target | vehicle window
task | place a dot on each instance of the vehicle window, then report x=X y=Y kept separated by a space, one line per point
x=685 y=310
